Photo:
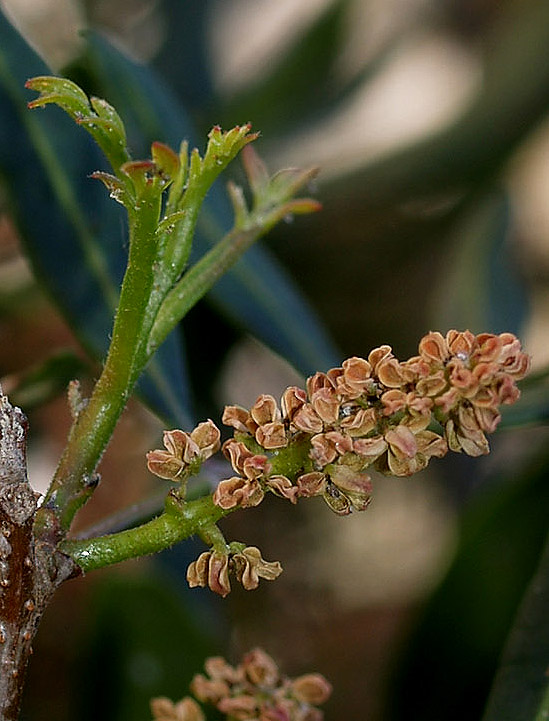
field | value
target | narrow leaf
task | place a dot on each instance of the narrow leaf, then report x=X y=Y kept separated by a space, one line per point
x=521 y=689
x=73 y=232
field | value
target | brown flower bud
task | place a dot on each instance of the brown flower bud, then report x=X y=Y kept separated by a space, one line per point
x=461 y=343
x=463 y=433
x=239 y=418
x=311 y=484
x=185 y=710
x=265 y=410
x=260 y=668
x=271 y=435
x=207 y=437
x=171 y=463
x=357 y=375
x=311 y=688
x=237 y=453
x=433 y=348
x=211 y=690
x=359 y=423
x=250 y=567
x=379 y=354
x=390 y=373
x=307 y=420
x=237 y=491
x=326 y=405
x=370 y=448
x=432 y=385
x=320 y=380
x=256 y=466
x=218 y=668
x=402 y=441
x=292 y=400
x=283 y=487
x=211 y=569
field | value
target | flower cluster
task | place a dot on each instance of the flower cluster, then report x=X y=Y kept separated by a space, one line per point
x=184 y=452
x=212 y=568
x=393 y=416
x=252 y=691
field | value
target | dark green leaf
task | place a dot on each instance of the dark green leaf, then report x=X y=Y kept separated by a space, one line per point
x=512 y=100
x=521 y=689
x=256 y=294
x=458 y=641
x=479 y=286
x=148 y=635
x=44 y=382
x=300 y=81
x=73 y=231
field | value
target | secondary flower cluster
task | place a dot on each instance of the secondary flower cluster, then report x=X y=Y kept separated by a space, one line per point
x=252 y=691
x=212 y=568
x=380 y=412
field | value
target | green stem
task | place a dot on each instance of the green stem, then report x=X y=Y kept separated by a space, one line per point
x=179 y=521
x=199 y=279
x=91 y=431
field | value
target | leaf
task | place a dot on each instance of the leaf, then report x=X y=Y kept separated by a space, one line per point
x=458 y=640
x=521 y=689
x=479 y=286
x=40 y=384
x=73 y=232
x=299 y=81
x=256 y=294
x=511 y=101
x=147 y=637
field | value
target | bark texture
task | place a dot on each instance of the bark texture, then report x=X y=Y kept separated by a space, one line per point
x=30 y=568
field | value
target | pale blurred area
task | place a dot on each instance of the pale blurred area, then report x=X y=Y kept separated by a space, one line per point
x=396 y=551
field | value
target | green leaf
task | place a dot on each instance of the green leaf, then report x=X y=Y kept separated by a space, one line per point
x=299 y=82
x=73 y=232
x=512 y=99
x=457 y=643
x=256 y=294
x=147 y=637
x=42 y=383
x=479 y=286
x=521 y=689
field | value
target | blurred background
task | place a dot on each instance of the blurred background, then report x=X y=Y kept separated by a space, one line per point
x=429 y=121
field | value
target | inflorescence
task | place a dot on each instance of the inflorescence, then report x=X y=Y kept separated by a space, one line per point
x=377 y=413
x=254 y=690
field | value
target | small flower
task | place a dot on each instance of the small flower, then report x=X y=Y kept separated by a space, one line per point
x=260 y=668
x=292 y=400
x=183 y=450
x=250 y=567
x=239 y=418
x=237 y=491
x=312 y=688
x=271 y=435
x=283 y=487
x=311 y=484
x=256 y=691
x=265 y=410
x=210 y=569
x=433 y=348
x=185 y=710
